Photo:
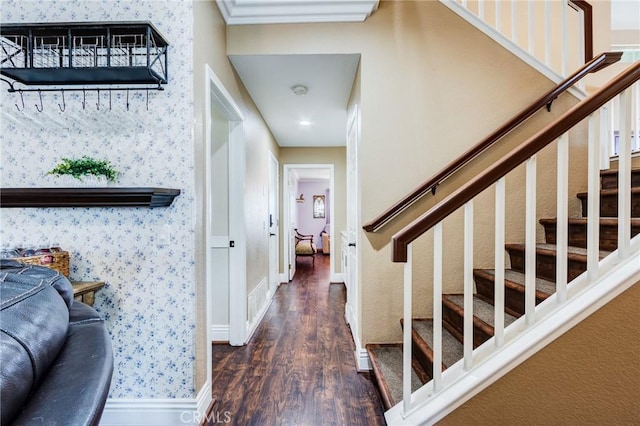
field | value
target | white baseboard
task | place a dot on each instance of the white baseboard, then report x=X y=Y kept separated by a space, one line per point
x=284 y=278
x=203 y=399
x=363 y=362
x=220 y=333
x=157 y=412
x=337 y=278
x=259 y=302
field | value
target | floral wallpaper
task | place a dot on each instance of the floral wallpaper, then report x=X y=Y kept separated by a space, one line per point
x=148 y=301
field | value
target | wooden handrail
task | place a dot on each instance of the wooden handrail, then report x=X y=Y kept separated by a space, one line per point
x=601 y=61
x=512 y=160
x=588 y=27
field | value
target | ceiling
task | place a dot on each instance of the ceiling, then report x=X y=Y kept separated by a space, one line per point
x=312 y=174
x=329 y=79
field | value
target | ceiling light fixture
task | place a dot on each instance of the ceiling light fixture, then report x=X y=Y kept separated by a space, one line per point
x=300 y=90
x=304 y=123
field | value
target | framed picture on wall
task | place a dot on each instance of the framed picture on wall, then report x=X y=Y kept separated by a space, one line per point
x=318 y=206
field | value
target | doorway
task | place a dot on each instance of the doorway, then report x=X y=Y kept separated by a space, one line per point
x=225 y=231
x=294 y=176
x=274 y=226
x=351 y=244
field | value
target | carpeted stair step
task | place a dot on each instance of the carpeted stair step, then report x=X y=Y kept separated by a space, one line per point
x=483 y=317
x=546 y=260
x=386 y=360
x=578 y=231
x=609 y=178
x=609 y=202
x=422 y=336
x=513 y=291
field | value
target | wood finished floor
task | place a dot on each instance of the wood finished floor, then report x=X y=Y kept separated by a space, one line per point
x=299 y=367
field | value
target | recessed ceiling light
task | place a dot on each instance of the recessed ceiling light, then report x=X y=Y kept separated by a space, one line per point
x=300 y=89
x=304 y=123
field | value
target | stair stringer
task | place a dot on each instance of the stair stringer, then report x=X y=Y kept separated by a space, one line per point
x=510 y=45
x=522 y=341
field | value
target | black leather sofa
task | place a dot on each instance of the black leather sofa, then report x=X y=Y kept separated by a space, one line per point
x=56 y=359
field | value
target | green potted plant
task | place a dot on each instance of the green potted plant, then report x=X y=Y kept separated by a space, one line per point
x=85 y=170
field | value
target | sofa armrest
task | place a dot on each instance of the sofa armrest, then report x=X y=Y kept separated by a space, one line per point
x=75 y=390
x=326 y=243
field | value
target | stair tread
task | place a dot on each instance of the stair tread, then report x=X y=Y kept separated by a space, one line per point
x=481 y=309
x=551 y=249
x=609 y=191
x=612 y=221
x=387 y=360
x=542 y=285
x=615 y=171
x=452 y=349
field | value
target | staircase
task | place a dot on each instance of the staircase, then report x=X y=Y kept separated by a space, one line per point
x=387 y=359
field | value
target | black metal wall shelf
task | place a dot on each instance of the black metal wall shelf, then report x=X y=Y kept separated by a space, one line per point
x=89 y=53
x=87 y=197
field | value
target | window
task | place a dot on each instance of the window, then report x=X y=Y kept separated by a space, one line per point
x=318 y=206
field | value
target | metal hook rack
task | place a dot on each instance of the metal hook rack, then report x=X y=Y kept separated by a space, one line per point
x=40 y=107
x=64 y=104
x=22 y=100
x=93 y=56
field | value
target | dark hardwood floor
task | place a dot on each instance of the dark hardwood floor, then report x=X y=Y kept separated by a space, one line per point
x=299 y=367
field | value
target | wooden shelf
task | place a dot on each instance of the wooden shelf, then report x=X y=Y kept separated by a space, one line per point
x=85 y=291
x=87 y=197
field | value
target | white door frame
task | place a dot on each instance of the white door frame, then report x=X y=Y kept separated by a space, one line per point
x=217 y=94
x=286 y=216
x=274 y=263
x=353 y=272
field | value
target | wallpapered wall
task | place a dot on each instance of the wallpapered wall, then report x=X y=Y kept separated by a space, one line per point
x=148 y=300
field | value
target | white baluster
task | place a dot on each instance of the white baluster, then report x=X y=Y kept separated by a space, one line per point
x=635 y=116
x=481 y=9
x=499 y=263
x=468 y=285
x=514 y=21
x=531 y=27
x=581 y=45
x=612 y=135
x=624 y=176
x=530 y=241
x=437 y=307
x=562 y=217
x=593 y=202
x=547 y=32
x=564 y=26
x=406 y=340
x=498 y=5
x=605 y=137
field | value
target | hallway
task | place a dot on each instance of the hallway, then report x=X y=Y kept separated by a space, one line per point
x=299 y=368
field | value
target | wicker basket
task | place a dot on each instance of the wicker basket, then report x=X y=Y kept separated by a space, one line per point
x=58 y=261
